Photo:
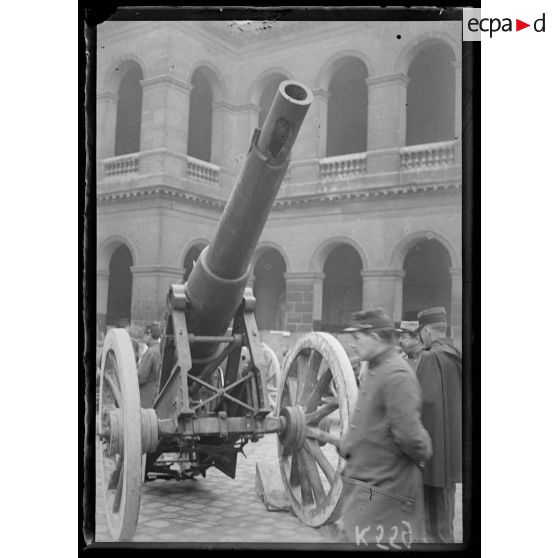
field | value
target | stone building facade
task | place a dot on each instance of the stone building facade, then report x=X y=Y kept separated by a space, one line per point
x=369 y=213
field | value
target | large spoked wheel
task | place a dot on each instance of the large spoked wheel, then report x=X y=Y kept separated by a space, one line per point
x=316 y=396
x=120 y=443
x=273 y=372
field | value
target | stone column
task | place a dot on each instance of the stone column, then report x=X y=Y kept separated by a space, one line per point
x=312 y=140
x=458 y=108
x=164 y=125
x=300 y=301
x=383 y=288
x=222 y=133
x=102 y=299
x=241 y=123
x=387 y=120
x=456 y=274
x=318 y=298
x=107 y=104
x=150 y=286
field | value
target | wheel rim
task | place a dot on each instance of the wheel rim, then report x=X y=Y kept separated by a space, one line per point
x=120 y=440
x=316 y=397
x=273 y=372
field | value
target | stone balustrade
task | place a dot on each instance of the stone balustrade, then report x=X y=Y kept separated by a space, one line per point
x=428 y=155
x=123 y=164
x=343 y=166
x=202 y=170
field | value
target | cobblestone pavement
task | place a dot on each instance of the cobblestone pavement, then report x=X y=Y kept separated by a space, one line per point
x=215 y=509
x=218 y=509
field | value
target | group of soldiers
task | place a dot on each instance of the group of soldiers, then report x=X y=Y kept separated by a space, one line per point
x=403 y=447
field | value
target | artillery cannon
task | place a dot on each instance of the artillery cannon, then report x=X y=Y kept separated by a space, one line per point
x=209 y=405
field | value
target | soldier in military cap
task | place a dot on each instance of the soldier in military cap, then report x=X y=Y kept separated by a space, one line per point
x=439 y=374
x=385 y=444
x=410 y=343
x=149 y=369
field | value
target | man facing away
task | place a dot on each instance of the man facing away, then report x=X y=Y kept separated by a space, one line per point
x=149 y=368
x=439 y=375
x=385 y=443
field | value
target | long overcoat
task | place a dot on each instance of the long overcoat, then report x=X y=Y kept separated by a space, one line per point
x=439 y=375
x=149 y=374
x=384 y=447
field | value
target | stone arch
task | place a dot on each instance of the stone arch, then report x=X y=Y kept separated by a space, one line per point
x=113 y=75
x=320 y=255
x=259 y=84
x=337 y=61
x=198 y=244
x=264 y=247
x=269 y=287
x=405 y=245
x=213 y=75
x=107 y=248
x=419 y=42
x=200 y=241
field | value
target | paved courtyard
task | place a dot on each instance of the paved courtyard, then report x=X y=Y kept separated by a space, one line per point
x=218 y=509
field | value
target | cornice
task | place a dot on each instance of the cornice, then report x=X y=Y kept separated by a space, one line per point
x=381 y=273
x=385 y=80
x=156 y=270
x=161 y=191
x=303 y=276
x=371 y=193
x=281 y=203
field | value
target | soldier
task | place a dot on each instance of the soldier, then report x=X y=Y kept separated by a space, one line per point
x=439 y=374
x=410 y=343
x=149 y=369
x=385 y=444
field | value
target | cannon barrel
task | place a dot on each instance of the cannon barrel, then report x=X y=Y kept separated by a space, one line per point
x=216 y=285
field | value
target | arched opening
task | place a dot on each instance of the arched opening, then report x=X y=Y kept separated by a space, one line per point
x=269 y=290
x=128 y=112
x=431 y=95
x=190 y=259
x=119 y=303
x=347 y=110
x=427 y=280
x=201 y=117
x=267 y=97
x=342 y=287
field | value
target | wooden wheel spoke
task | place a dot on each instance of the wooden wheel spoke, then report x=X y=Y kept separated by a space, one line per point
x=312 y=447
x=292 y=385
x=313 y=476
x=319 y=388
x=321 y=435
x=115 y=475
x=308 y=371
x=305 y=486
x=119 y=488
x=293 y=477
x=322 y=412
x=114 y=387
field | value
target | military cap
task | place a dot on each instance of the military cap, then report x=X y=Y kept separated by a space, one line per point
x=435 y=315
x=373 y=320
x=407 y=327
x=154 y=330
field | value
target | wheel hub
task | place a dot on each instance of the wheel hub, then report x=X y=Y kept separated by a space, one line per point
x=113 y=432
x=293 y=436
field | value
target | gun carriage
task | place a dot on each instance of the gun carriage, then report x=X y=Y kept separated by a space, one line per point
x=210 y=404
